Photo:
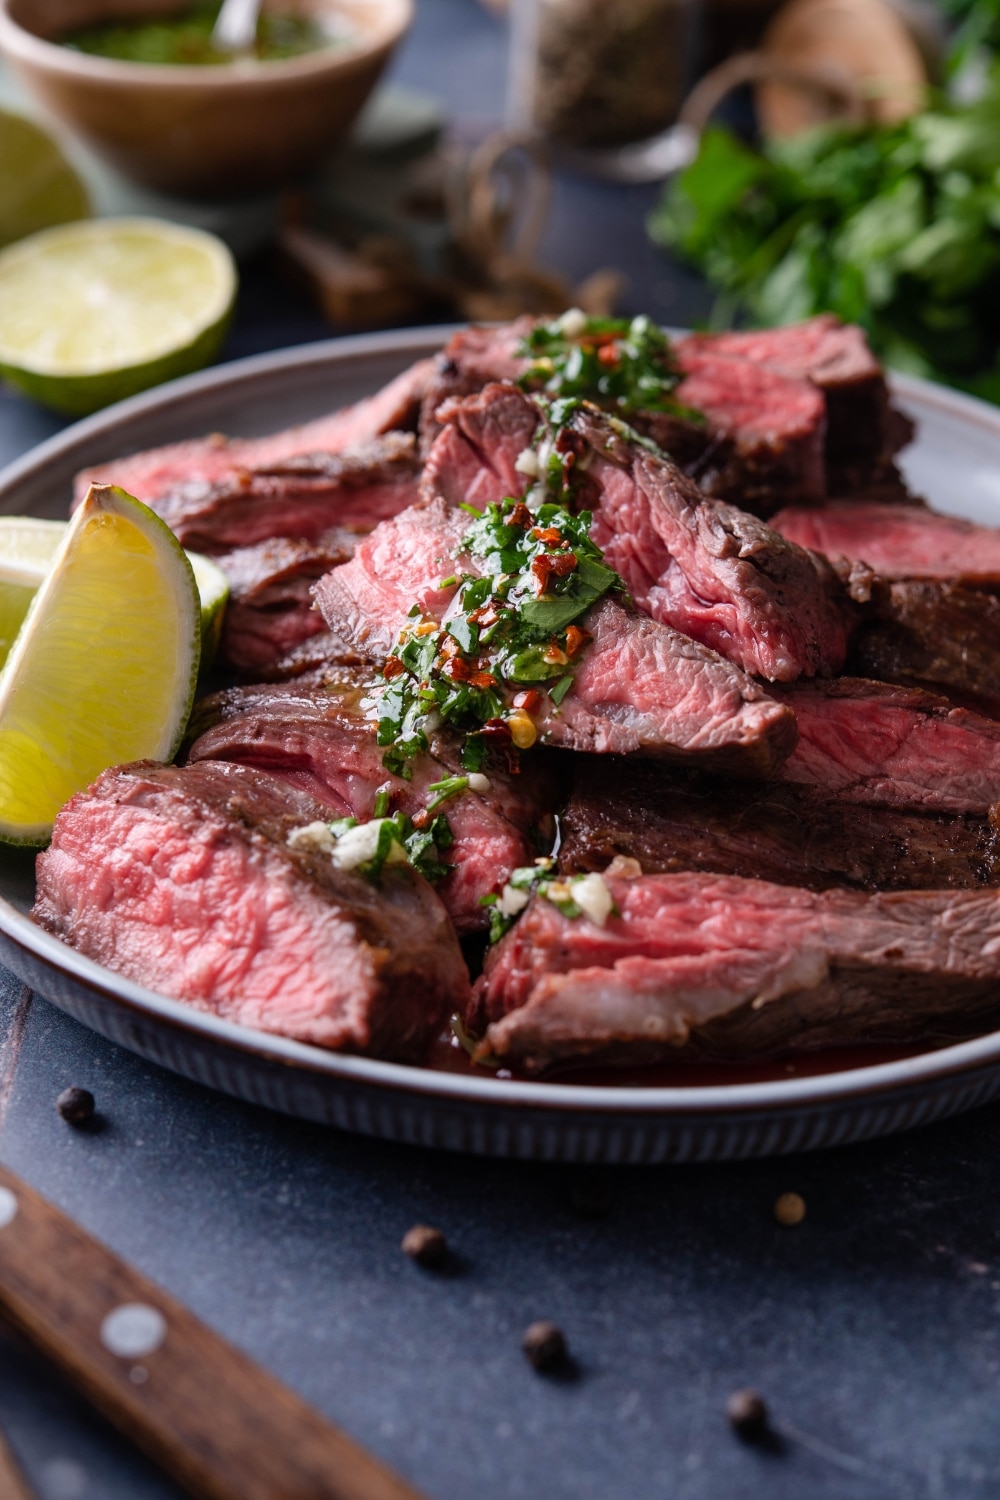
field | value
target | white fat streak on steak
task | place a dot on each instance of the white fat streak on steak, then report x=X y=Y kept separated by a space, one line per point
x=151 y=474
x=897 y=541
x=303 y=499
x=897 y=746
x=732 y=967
x=639 y=686
x=321 y=741
x=182 y=880
x=713 y=572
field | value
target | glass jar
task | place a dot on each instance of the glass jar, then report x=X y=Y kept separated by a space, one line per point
x=596 y=74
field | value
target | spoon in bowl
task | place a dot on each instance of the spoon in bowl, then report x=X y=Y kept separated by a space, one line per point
x=236 y=27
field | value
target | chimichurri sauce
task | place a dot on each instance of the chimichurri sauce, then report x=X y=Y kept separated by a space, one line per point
x=186 y=38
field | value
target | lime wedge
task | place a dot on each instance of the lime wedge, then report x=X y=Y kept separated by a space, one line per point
x=38 y=187
x=96 y=311
x=105 y=666
x=27 y=547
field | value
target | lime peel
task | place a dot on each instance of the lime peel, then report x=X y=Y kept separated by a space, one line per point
x=105 y=666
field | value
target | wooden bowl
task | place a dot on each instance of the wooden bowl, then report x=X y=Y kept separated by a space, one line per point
x=202 y=131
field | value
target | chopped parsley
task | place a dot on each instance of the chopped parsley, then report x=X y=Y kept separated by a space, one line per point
x=510 y=641
x=369 y=847
x=574 y=896
x=624 y=365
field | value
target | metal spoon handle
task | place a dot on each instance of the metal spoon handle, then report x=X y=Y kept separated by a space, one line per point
x=236 y=27
x=224 y=1428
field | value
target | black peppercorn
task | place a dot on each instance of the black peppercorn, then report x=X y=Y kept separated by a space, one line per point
x=427 y=1246
x=76 y=1106
x=747 y=1414
x=544 y=1345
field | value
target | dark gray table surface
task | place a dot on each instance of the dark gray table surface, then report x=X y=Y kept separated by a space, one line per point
x=872 y=1328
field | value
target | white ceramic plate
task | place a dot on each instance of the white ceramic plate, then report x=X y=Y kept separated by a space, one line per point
x=955 y=463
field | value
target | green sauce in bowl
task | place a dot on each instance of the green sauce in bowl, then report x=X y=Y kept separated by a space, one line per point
x=186 y=38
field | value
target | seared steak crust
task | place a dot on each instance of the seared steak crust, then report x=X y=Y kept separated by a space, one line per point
x=716 y=965
x=270 y=612
x=788 y=834
x=182 y=879
x=941 y=634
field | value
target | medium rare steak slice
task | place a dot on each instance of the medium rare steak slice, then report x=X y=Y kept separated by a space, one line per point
x=210 y=460
x=712 y=572
x=640 y=686
x=303 y=498
x=728 y=967
x=768 y=430
x=893 y=746
x=862 y=428
x=270 y=612
x=321 y=741
x=789 y=834
x=183 y=880
x=897 y=541
x=938 y=634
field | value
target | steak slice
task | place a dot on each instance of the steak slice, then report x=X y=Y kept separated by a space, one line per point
x=768 y=430
x=939 y=634
x=639 y=686
x=182 y=879
x=863 y=430
x=712 y=572
x=736 y=968
x=320 y=740
x=270 y=612
x=152 y=474
x=893 y=746
x=777 y=831
x=303 y=498
x=897 y=541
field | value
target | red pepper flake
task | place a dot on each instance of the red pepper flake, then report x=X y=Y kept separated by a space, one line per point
x=570 y=443
x=496 y=729
x=393 y=668
x=449 y=648
x=575 y=638
x=550 y=535
x=529 y=700
x=486 y=615
x=421 y=818
x=608 y=356
x=457 y=670
x=601 y=340
x=519 y=516
x=543 y=568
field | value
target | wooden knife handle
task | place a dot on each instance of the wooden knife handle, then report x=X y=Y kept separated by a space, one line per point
x=220 y=1425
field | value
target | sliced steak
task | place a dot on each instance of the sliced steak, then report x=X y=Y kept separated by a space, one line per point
x=712 y=572
x=270 y=612
x=940 y=634
x=640 y=686
x=768 y=430
x=183 y=880
x=778 y=831
x=319 y=659
x=152 y=474
x=320 y=740
x=863 y=430
x=893 y=746
x=897 y=541
x=304 y=498
x=728 y=967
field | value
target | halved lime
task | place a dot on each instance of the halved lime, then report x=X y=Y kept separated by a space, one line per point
x=105 y=666
x=38 y=187
x=27 y=547
x=96 y=311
